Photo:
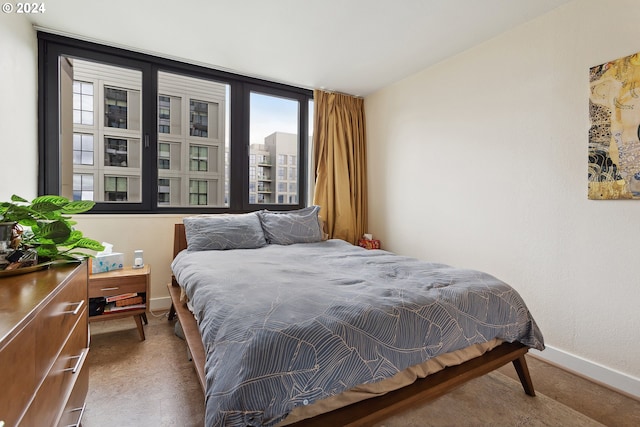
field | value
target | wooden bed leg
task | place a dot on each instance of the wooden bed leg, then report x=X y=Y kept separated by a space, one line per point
x=523 y=373
x=172 y=313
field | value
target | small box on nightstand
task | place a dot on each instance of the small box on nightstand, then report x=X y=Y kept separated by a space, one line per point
x=369 y=243
x=108 y=262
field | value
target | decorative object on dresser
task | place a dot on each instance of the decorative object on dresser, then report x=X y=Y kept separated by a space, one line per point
x=120 y=293
x=44 y=342
x=41 y=231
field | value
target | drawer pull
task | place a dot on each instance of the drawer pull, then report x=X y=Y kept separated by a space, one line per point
x=80 y=358
x=77 y=424
x=110 y=289
x=77 y=309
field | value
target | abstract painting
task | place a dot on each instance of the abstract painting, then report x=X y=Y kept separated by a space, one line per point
x=614 y=135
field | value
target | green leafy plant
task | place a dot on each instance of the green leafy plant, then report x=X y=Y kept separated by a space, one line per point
x=44 y=225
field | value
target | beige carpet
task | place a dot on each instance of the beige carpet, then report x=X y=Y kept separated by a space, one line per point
x=151 y=383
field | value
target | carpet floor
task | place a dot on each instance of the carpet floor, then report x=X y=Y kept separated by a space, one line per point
x=152 y=383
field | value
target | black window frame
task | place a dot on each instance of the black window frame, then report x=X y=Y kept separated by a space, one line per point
x=52 y=46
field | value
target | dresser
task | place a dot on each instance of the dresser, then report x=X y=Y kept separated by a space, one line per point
x=44 y=343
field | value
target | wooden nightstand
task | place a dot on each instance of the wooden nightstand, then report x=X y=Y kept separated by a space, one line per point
x=119 y=282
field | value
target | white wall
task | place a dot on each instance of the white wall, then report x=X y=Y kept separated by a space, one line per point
x=18 y=107
x=481 y=162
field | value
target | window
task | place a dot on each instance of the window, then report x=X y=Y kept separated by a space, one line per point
x=199 y=119
x=164 y=155
x=149 y=134
x=197 y=192
x=115 y=108
x=82 y=187
x=164 y=114
x=83 y=103
x=164 y=191
x=115 y=152
x=199 y=157
x=115 y=188
x=82 y=149
x=274 y=129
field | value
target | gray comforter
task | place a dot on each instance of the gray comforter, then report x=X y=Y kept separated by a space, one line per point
x=285 y=326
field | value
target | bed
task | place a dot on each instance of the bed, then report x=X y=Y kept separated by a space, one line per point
x=287 y=328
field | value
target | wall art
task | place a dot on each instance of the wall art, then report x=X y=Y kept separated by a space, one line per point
x=614 y=135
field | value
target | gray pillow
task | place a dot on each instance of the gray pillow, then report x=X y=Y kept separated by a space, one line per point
x=288 y=227
x=226 y=231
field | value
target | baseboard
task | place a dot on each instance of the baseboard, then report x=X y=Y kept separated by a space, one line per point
x=157 y=304
x=625 y=384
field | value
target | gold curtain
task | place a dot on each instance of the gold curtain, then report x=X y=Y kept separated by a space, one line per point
x=340 y=164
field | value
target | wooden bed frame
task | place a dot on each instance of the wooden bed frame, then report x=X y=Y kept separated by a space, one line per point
x=377 y=408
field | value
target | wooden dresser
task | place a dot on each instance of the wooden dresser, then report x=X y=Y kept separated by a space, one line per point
x=44 y=343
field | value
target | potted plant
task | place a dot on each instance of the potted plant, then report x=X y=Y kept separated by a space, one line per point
x=43 y=227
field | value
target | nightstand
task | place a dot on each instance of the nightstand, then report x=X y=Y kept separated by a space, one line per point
x=116 y=283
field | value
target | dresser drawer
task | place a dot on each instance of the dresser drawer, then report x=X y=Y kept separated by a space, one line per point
x=73 y=411
x=57 y=319
x=51 y=397
x=17 y=375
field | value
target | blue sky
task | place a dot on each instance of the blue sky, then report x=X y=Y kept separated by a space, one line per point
x=271 y=114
